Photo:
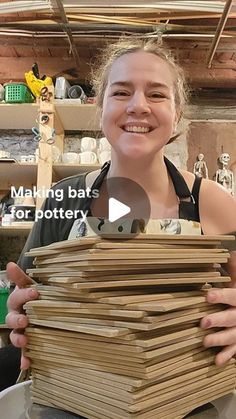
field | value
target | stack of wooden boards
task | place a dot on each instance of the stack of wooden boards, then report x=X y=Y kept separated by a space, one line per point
x=115 y=333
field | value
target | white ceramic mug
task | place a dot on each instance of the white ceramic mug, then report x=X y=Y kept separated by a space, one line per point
x=56 y=154
x=88 y=144
x=28 y=201
x=36 y=154
x=30 y=158
x=88 y=157
x=104 y=144
x=4 y=154
x=104 y=156
x=70 y=157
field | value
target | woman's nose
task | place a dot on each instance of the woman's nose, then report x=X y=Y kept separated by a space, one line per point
x=138 y=104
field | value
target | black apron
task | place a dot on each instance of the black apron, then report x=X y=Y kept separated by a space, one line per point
x=188 y=201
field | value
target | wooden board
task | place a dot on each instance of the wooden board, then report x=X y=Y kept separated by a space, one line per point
x=115 y=332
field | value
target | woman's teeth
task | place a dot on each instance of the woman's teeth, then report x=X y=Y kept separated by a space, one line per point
x=137 y=129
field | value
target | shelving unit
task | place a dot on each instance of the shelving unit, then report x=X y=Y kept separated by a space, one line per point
x=78 y=117
x=17 y=174
x=68 y=116
x=61 y=171
x=72 y=116
x=18 y=116
x=19 y=229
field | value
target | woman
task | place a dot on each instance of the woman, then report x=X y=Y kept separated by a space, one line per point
x=140 y=91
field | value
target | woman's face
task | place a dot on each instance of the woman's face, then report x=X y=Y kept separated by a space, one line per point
x=139 y=113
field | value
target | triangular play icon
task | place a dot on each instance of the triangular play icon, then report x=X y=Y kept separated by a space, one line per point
x=117 y=210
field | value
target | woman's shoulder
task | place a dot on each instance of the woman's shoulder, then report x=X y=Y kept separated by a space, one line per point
x=189 y=178
x=217 y=207
x=208 y=187
x=70 y=180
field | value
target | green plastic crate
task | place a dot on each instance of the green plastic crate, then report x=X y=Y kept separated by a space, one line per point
x=4 y=293
x=18 y=93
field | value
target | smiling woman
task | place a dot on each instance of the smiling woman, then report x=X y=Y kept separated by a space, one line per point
x=101 y=75
x=139 y=112
x=140 y=91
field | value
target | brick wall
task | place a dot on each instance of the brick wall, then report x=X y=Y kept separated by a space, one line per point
x=18 y=142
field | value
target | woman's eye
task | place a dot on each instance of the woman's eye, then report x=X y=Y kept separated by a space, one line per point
x=120 y=93
x=156 y=95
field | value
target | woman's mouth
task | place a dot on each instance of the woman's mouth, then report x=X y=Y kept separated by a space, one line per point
x=137 y=129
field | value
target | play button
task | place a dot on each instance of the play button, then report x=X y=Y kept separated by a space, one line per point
x=117 y=210
x=121 y=207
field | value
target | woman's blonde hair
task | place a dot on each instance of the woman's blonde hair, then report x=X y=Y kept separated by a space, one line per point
x=129 y=45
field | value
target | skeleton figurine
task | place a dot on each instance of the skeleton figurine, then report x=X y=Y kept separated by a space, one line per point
x=225 y=176
x=200 y=167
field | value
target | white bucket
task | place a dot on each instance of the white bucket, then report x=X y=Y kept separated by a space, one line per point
x=15 y=400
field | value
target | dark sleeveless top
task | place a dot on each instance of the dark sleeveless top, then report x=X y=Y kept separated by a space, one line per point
x=46 y=231
x=188 y=201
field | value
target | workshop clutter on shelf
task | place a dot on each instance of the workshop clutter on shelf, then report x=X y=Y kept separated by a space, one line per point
x=18 y=93
x=89 y=151
x=92 y=151
x=4 y=293
x=34 y=84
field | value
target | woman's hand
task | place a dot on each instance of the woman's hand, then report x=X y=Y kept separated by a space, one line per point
x=15 y=319
x=225 y=318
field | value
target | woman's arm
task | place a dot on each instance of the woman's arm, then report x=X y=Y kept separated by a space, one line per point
x=217 y=209
x=226 y=319
x=218 y=216
x=16 y=319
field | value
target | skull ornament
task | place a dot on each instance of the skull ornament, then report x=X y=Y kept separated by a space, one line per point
x=200 y=157
x=224 y=158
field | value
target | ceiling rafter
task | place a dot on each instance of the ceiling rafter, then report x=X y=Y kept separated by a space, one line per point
x=36 y=21
x=219 y=31
x=66 y=27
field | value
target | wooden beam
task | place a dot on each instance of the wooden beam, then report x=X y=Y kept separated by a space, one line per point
x=60 y=133
x=183 y=44
x=205 y=112
x=44 y=173
x=199 y=76
x=130 y=20
x=94 y=42
x=12 y=68
x=219 y=31
x=66 y=27
x=230 y=64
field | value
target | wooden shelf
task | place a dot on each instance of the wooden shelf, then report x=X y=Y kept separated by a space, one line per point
x=17 y=174
x=72 y=116
x=18 y=115
x=77 y=116
x=61 y=171
x=17 y=229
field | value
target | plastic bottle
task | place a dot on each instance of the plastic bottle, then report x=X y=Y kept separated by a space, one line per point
x=2 y=93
